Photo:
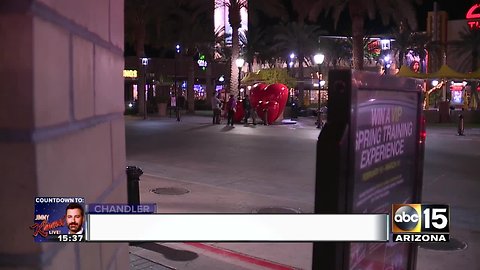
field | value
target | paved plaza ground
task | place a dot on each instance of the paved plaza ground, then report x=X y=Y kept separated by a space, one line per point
x=247 y=168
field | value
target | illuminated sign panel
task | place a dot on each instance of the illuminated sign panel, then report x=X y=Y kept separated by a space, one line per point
x=385 y=44
x=374 y=47
x=221 y=20
x=202 y=62
x=473 y=17
x=129 y=73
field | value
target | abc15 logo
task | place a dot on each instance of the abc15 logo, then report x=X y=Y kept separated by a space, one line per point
x=420 y=218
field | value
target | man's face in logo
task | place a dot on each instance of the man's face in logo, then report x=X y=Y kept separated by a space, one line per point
x=74 y=219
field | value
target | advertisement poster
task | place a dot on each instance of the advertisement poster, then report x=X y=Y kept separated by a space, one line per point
x=385 y=146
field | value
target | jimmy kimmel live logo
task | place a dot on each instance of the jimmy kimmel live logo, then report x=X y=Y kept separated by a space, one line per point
x=420 y=222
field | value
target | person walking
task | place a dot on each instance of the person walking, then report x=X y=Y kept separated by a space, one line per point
x=231 y=107
x=295 y=107
x=180 y=102
x=249 y=111
x=216 y=108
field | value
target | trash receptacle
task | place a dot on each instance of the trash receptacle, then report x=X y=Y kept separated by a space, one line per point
x=133 y=187
x=461 y=127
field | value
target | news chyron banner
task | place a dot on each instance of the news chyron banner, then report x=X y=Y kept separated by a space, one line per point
x=70 y=219
x=59 y=219
x=65 y=219
x=237 y=227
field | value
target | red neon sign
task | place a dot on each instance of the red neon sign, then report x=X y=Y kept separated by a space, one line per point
x=374 y=47
x=470 y=15
x=473 y=15
x=456 y=87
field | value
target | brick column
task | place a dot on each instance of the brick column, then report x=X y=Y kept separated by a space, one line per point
x=61 y=123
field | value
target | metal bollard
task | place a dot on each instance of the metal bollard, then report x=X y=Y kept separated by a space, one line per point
x=133 y=188
x=461 y=127
x=319 y=119
x=265 y=121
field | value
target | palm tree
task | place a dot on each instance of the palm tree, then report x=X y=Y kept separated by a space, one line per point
x=235 y=20
x=234 y=8
x=403 y=42
x=221 y=51
x=266 y=53
x=167 y=23
x=301 y=37
x=187 y=24
x=138 y=16
x=254 y=45
x=398 y=10
x=336 y=51
x=302 y=9
x=423 y=45
x=468 y=49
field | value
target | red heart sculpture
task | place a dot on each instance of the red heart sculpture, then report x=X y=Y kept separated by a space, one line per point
x=256 y=94
x=272 y=108
x=276 y=92
x=239 y=112
x=279 y=93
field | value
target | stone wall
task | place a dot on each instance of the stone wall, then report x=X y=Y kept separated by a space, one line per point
x=61 y=125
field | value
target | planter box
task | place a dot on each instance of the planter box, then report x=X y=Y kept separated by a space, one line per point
x=433 y=116
x=162 y=109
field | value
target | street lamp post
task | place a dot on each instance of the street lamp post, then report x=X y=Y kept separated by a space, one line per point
x=221 y=80
x=177 y=110
x=239 y=62
x=144 y=65
x=292 y=58
x=318 y=59
x=386 y=62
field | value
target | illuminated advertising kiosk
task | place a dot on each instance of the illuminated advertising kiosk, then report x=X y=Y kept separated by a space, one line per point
x=457 y=90
x=369 y=157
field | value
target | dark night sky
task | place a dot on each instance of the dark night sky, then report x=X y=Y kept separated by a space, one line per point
x=456 y=9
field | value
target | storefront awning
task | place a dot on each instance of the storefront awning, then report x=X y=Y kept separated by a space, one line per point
x=445 y=72
x=251 y=78
x=474 y=75
x=407 y=72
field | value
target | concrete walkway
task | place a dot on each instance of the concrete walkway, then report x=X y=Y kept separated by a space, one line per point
x=209 y=199
x=450 y=177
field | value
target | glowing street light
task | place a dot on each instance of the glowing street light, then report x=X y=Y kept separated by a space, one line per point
x=318 y=59
x=239 y=62
x=144 y=64
x=177 y=109
x=292 y=58
x=387 y=63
